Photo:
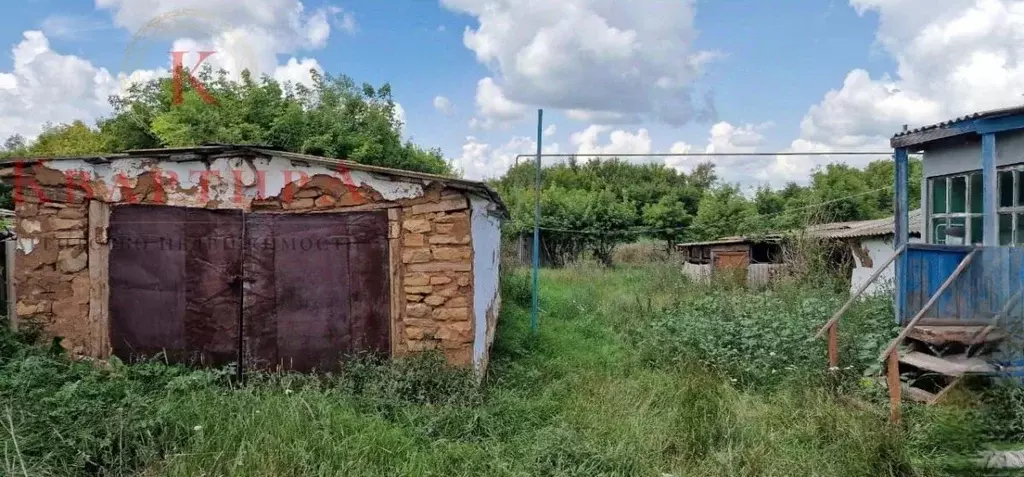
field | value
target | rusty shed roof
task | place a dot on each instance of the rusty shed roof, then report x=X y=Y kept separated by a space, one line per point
x=195 y=153
x=865 y=228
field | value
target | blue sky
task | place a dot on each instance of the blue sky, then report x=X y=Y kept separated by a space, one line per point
x=638 y=76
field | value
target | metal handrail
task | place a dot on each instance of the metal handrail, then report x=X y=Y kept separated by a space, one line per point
x=860 y=291
x=927 y=306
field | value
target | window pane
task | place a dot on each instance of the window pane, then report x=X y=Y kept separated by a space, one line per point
x=1020 y=235
x=1005 y=229
x=958 y=194
x=977 y=230
x=939 y=195
x=977 y=193
x=956 y=233
x=939 y=230
x=1020 y=189
x=1005 y=188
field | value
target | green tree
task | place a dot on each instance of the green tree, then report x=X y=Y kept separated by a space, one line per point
x=75 y=139
x=669 y=217
x=723 y=211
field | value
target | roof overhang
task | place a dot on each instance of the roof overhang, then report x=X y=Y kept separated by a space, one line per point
x=986 y=122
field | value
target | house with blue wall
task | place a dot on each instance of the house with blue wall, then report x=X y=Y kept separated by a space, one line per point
x=957 y=291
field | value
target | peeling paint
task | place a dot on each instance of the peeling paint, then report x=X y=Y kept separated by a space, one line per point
x=486 y=239
x=216 y=181
x=27 y=245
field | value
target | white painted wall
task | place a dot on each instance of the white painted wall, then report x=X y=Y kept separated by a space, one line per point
x=274 y=173
x=486 y=236
x=879 y=249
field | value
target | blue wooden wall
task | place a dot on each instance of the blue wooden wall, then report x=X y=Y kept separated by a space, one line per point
x=981 y=291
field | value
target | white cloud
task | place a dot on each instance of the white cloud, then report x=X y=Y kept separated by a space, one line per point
x=297 y=71
x=592 y=141
x=493 y=108
x=481 y=161
x=627 y=58
x=443 y=105
x=47 y=86
x=550 y=130
x=964 y=57
x=400 y=113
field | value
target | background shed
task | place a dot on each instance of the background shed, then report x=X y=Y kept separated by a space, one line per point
x=223 y=254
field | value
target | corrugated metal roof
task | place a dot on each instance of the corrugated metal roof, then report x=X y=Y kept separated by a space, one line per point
x=969 y=117
x=865 y=228
x=736 y=239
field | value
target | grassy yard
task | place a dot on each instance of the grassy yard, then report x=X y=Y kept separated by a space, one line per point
x=634 y=372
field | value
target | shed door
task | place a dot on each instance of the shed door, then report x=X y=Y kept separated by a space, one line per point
x=316 y=289
x=731 y=264
x=174 y=283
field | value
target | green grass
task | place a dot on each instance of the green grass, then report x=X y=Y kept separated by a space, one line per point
x=634 y=372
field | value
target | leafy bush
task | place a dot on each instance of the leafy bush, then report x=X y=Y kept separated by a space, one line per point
x=763 y=339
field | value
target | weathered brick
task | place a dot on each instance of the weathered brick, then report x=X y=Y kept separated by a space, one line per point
x=451 y=314
x=417 y=279
x=440 y=280
x=413 y=298
x=415 y=333
x=435 y=300
x=419 y=290
x=452 y=253
x=452 y=217
x=298 y=203
x=414 y=240
x=421 y=345
x=71 y=213
x=71 y=260
x=417 y=225
x=457 y=302
x=416 y=310
x=463 y=281
x=440 y=267
x=325 y=201
x=440 y=206
x=456 y=331
x=416 y=255
x=449 y=291
x=448 y=239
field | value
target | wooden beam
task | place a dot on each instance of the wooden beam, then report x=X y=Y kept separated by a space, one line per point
x=99 y=278
x=927 y=306
x=994 y=125
x=901 y=228
x=892 y=378
x=990 y=218
x=860 y=291
x=10 y=250
x=396 y=277
x=833 y=346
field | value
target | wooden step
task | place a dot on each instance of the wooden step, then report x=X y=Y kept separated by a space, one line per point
x=955 y=365
x=963 y=334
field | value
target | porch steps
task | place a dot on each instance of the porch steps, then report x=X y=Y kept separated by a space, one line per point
x=955 y=365
x=939 y=335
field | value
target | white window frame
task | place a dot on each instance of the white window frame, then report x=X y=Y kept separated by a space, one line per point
x=1016 y=234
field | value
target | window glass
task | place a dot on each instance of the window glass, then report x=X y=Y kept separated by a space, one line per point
x=977 y=230
x=1005 y=229
x=1020 y=189
x=1005 y=188
x=958 y=194
x=977 y=196
x=939 y=195
x=938 y=231
x=956 y=232
x=1020 y=236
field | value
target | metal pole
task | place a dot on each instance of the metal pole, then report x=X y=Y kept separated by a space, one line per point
x=534 y=309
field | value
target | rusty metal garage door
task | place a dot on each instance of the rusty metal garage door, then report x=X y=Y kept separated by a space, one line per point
x=316 y=289
x=174 y=283
x=308 y=290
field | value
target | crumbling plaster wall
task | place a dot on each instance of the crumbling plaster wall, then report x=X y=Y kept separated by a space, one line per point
x=430 y=235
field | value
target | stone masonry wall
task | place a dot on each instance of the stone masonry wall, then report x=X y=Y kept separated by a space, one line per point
x=438 y=285
x=51 y=275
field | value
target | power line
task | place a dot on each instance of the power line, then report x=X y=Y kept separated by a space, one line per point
x=709 y=154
